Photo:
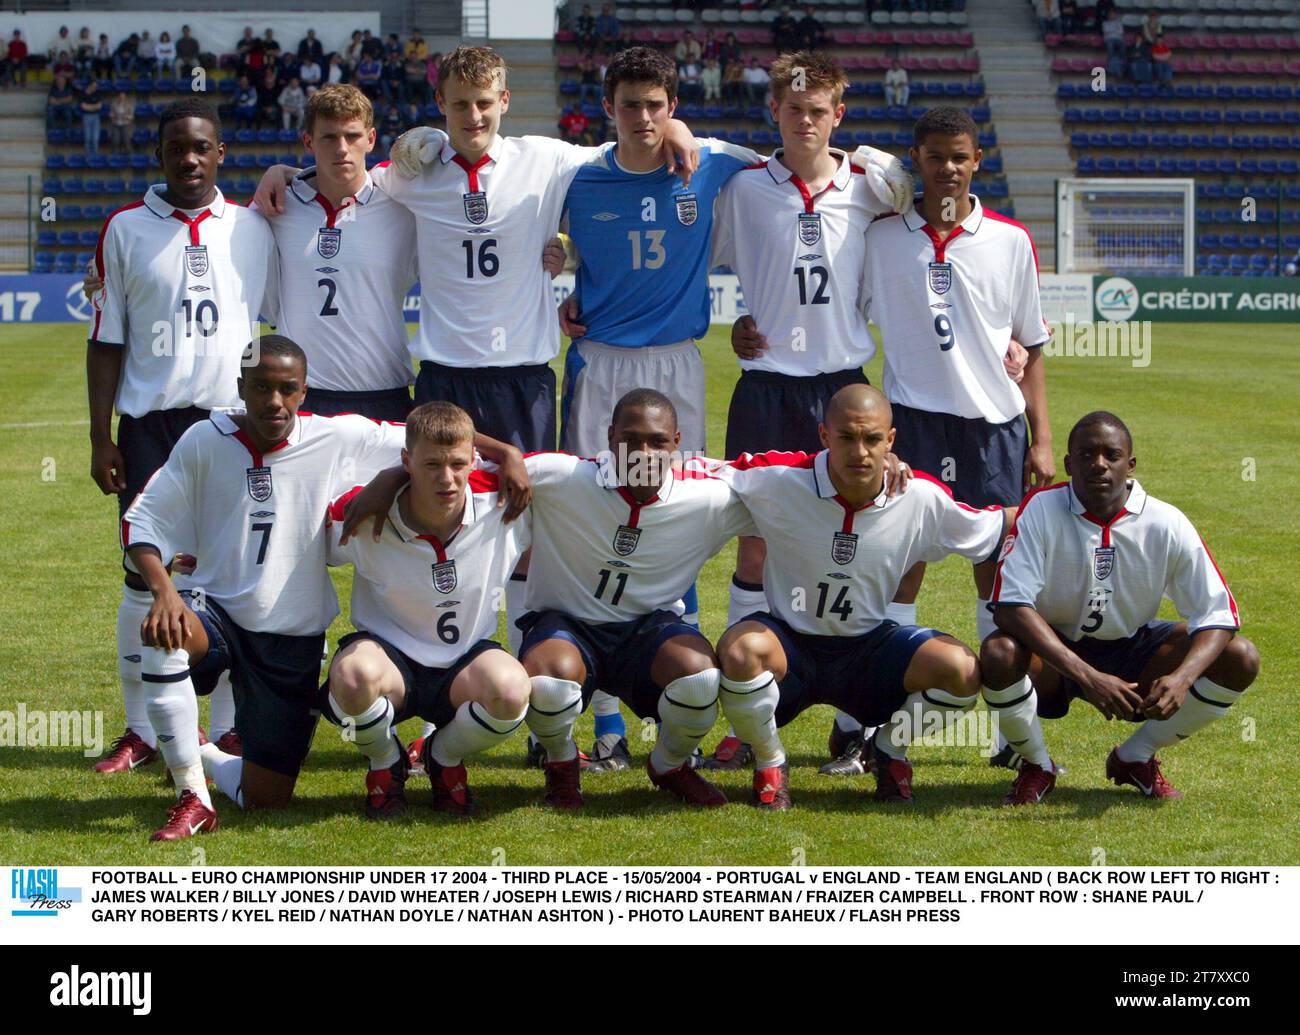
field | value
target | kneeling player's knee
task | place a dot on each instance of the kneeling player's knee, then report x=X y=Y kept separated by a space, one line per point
x=742 y=655
x=1002 y=661
x=1238 y=665
x=355 y=682
x=961 y=672
x=559 y=663
x=509 y=695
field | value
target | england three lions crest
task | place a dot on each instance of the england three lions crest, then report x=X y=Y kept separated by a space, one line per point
x=1103 y=562
x=844 y=547
x=328 y=242
x=476 y=207
x=940 y=276
x=687 y=210
x=625 y=540
x=196 y=259
x=810 y=227
x=259 y=483
x=444 y=576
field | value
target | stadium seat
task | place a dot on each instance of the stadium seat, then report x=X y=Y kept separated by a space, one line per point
x=70 y=212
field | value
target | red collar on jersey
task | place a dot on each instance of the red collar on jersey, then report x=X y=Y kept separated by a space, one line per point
x=472 y=170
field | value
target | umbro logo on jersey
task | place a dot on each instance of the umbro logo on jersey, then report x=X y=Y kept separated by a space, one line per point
x=200 y=287
x=836 y=575
x=326 y=269
x=809 y=256
x=447 y=603
x=618 y=564
x=940 y=305
x=263 y=513
x=605 y=217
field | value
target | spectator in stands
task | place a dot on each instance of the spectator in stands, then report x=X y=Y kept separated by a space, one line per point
x=416 y=62
x=1069 y=17
x=785 y=32
x=334 y=71
x=729 y=54
x=897 y=89
x=246 y=104
x=575 y=127
x=146 y=54
x=711 y=80
x=372 y=46
x=124 y=57
x=1112 y=33
x=688 y=49
x=286 y=63
x=63 y=41
x=756 y=81
x=187 y=51
x=393 y=45
x=390 y=127
x=624 y=41
x=268 y=99
x=63 y=66
x=1152 y=31
x=91 y=107
x=394 y=79
x=101 y=65
x=1162 y=63
x=310 y=47
x=1139 y=63
x=60 y=103
x=711 y=47
x=85 y=53
x=165 y=52
x=244 y=50
x=121 y=121
x=607 y=27
x=1104 y=7
x=269 y=42
x=16 y=62
x=369 y=73
x=589 y=82
x=584 y=30
x=309 y=74
x=1049 y=17
x=733 y=81
x=293 y=105
x=812 y=34
x=690 y=84
x=352 y=56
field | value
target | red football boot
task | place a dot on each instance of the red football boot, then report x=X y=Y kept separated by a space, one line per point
x=1032 y=784
x=893 y=775
x=450 y=784
x=731 y=753
x=1145 y=776
x=687 y=785
x=772 y=788
x=189 y=816
x=230 y=743
x=416 y=767
x=128 y=752
x=386 y=790
x=564 y=783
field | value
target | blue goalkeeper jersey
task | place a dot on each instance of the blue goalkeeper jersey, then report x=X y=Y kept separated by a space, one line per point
x=644 y=241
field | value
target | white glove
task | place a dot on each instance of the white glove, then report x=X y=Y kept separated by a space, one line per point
x=415 y=149
x=889 y=180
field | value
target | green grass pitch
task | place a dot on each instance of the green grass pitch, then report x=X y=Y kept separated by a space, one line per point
x=1214 y=417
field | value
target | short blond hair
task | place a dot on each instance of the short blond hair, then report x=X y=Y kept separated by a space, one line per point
x=439 y=422
x=477 y=66
x=808 y=70
x=340 y=101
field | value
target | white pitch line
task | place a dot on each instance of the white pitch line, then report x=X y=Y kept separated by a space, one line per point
x=43 y=424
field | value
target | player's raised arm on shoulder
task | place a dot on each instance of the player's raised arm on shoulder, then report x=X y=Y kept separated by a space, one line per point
x=975 y=533
x=681 y=150
x=374 y=501
x=890 y=182
x=516 y=485
x=273 y=189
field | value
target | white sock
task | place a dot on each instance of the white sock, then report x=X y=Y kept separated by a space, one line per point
x=750 y=705
x=553 y=710
x=903 y=614
x=226 y=771
x=929 y=711
x=471 y=731
x=688 y=708
x=1205 y=702
x=372 y=731
x=1016 y=713
x=221 y=717
x=742 y=601
x=984 y=624
x=174 y=713
x=135 y=697
x=515 y=610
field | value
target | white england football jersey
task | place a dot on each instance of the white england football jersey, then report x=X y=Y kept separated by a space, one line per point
x=182 y=295
x=799 y=258
x=1089 y=578
x=433 y=600
x=256 y=522
x=948 y=309
x=832 y=570
x=599 y=556
x=485 y=300
x=344 y=274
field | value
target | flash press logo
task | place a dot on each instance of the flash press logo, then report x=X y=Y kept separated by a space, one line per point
x=75 y=987
x=37 y=889
x=1117 y=298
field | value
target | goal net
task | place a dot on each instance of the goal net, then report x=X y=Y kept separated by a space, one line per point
x=1143 y=228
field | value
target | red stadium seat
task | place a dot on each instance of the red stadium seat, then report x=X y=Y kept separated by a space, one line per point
x=910 y=63
x=1255 y=66
x=1216 y=66
x=1060 y=64
x=567 y=61
x=565 y=36
x=1081 y=64
x=970 y=63
x=949 y=64
x=667 y=36
x=645 y=36
x=1277 y=66
x=1293 y=68
x=1267 y=42
x=1052 y=40
x=924 y=38
x=905 y=37
x=1288 y=43
x=844 y=37
x=746 y=37
x=1247 y=43
x=943 y=39
x=885 y=38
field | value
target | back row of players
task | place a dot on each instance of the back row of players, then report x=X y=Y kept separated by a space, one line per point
x=949 y=284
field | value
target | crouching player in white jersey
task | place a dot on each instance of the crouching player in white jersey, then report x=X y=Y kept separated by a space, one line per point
x=425 y=599
x=837 y=546
x=1076 y=597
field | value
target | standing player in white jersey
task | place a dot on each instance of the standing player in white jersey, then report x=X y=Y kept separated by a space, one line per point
x=425 y=599
x=185 y=274
x=1076 y=599
x=951 y=285
x=837 y=547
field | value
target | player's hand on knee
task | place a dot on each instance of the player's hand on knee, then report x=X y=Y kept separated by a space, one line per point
x=570 y=309
x=108 y=467
x=517 y=486
x=415 y=149
x=1165 y=697
x=553 y=256
x=1112 y=696
x=1040 y=466
x=1015 y=360
x=746 y=342
x=165 y=624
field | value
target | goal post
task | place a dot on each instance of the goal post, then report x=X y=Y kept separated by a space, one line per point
x=1126 y=227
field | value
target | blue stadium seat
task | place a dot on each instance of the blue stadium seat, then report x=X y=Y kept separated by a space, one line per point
x=68 y=238
x=138 y=185
x=1251 y=241
x=228 y=85
x=1105 y=164
x=1118 y=140
x=47 y=239
x=1091 y=114
x=1086 y=165
x=76 y=161
x=55 y=161
x=1230 y=241
x=290 y=136
x=245 y=161
x=1073 y=115
x=1248 y=166
x=1238 y=262
x=1208 y=241
x=988 y=138
x=94 y=213
x=1065 y=90
x=115 y=185
x=1200 y=142
x=43 y=262
x=1179 y=141
x=267 y=136
x=1078 y=139
x=1146 y=166
x=144 y=84
x=56 y=137
x=1207 y=166
x=88 y=238
x=1098 y=140
x=94 y=185
x=70 y=212
x=65 y=262
x=1186 y=167
x=72 y=185
x=1127 y=166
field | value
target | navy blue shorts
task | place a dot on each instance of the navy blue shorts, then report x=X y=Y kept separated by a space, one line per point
x=146 y=443
x=274 y=677
x=392 y=404
x=428 y=689
x=859 y=675
x=509 y=404
x=982 y=463
x=617 y=655
x=1124 y=658
x=779 y=411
